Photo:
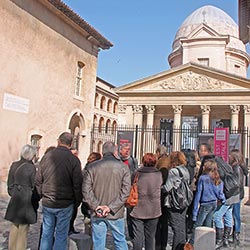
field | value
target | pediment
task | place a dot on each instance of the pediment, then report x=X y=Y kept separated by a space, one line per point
x=188 y=80
x=201 y=31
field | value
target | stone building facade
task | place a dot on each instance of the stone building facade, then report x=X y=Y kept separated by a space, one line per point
x=48 y=77
x=206 y=83
x=105 y=114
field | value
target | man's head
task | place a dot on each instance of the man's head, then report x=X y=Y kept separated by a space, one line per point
x=125 y=149
x=28 y=152
x=65 y=139
x=204 y=149
x=109 y=147
x=161 y=150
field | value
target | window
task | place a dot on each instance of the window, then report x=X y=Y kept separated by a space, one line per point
x=78 y=86
x=236 y=68
x=35 y=140
x=204 y=61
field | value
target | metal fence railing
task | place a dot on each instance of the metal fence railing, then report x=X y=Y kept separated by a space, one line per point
x=146 y=139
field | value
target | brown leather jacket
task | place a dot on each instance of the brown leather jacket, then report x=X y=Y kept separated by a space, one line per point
x=107 y=182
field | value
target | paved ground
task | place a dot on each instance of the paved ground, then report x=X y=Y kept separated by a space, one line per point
x=35 y=229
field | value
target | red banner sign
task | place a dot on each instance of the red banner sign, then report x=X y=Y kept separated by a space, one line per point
x=221 y=138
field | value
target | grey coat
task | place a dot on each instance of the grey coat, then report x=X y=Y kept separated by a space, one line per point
x=107 y=182
x=149 y=194
x=22 y=207
x=174 y=180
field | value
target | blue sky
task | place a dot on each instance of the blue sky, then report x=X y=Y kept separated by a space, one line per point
x=142 y=32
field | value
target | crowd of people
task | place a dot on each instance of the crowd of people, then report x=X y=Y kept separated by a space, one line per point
x=61 y=184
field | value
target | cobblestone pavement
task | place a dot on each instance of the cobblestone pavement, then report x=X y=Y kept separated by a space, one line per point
x=33 y=236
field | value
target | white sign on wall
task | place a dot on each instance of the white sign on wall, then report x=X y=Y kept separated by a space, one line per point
x=16 y=103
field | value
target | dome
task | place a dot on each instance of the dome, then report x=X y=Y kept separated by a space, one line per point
x=212 y=16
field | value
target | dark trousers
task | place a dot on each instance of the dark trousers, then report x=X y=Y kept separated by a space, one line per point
x=144 y=229
x=161 y=237
x=129 y=223
x=177 y=221
x=72 y=220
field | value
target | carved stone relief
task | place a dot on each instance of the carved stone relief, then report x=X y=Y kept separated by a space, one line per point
x=177 y=108
x=205 y=108
x=194 y=82
x=122 y=108
x=235 y=108
x=246 y=109
x=150 y=108
x=137 y=108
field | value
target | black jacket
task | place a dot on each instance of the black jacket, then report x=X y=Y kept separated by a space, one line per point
x=59 y=179
x=22 y=207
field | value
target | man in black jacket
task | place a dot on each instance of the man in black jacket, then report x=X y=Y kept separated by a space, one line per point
x=58 y=182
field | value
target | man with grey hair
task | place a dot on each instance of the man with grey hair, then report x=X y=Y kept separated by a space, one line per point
x=22 y=208
x=132 y=163
x=58 y=182
x=105 y=188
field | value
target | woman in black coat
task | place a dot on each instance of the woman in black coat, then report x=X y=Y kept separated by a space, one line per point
x=23 y=204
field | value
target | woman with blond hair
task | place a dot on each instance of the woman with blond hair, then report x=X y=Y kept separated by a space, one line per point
x=177 y=218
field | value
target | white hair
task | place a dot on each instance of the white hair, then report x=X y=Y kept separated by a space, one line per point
x=28 y=152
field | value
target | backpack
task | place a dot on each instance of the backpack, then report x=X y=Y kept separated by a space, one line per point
x=230 y=179
x=182 y=196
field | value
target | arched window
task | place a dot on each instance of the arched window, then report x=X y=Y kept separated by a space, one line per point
x=103 y=102
x=35 y=140
x=114 y=125
x=107 y=127
x=109 y=108
x=95 y=121
x=101 y=124
x=115 y=110
x=78 y=86
x=96 y=99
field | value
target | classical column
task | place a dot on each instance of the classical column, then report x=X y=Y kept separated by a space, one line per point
x=246 y=116
x=150 y=115
x=148 y=135
x=235 y=109
x=122 y=114
x=205 y=111
x=177 y=127
x=137 y=110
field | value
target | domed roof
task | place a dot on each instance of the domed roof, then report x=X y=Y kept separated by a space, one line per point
x=212 y=16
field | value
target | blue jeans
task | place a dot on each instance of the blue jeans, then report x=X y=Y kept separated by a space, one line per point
x=55 y=224
x=204 y=218
x=223 y=216
x=236 y=216
x=99 y=232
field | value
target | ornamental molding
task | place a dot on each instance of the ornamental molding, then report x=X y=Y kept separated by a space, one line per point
x=177 y=108
x=205 y=108
x=246 y=109
x=235 y=109
x=122 y=108
x=150 y=108
x=194 y=82
x=137 y=108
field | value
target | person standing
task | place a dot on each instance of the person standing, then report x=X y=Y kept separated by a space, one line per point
x=177 y=217
x=132 y=163
x=162 y=164
x=209 y=192
x=237 y=162
x=144 y=218
x=23 y=204
x=58 y=182
x=106 y=186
